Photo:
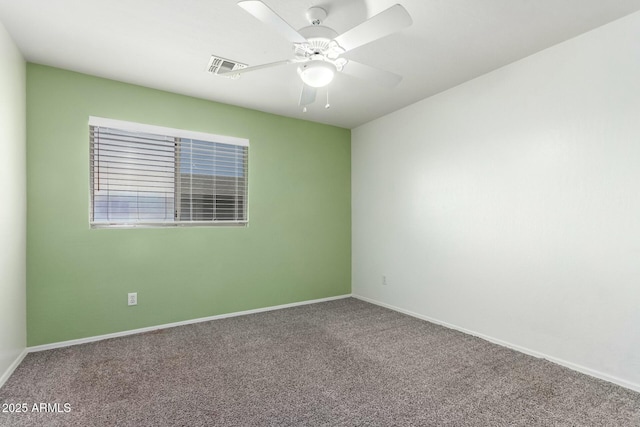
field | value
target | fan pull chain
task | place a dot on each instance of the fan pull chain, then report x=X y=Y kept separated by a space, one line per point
x=327 y=106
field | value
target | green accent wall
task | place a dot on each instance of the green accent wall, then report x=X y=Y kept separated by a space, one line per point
x=297 y=246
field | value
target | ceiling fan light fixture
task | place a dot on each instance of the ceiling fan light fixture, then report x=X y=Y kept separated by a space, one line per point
x=317 y=73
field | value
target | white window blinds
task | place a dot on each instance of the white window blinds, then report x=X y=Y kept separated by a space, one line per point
x=149 y=175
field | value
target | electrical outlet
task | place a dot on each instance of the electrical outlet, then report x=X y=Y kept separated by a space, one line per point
x=384 y=281
x=132 y=298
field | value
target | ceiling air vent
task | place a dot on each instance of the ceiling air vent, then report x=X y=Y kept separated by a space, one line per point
x=220 y=65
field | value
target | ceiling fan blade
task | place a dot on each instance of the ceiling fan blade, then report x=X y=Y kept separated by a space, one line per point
x=386 y=22
x=255 y=67
x=382 y=77
x=308 y=95
x=265 y=14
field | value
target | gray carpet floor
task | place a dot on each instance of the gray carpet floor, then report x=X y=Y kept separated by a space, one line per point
x=337 y=363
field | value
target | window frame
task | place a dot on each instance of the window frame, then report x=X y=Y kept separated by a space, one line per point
x=177 y=134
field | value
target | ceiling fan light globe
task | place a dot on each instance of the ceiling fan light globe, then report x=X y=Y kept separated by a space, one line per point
x=317 y=73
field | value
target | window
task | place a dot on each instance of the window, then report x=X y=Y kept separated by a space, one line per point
x=150 y=175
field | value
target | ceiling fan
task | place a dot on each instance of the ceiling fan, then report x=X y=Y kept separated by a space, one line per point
x=318 y=49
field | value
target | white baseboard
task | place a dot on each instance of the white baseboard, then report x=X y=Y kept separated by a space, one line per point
x=5 y=376
x=537 y=354
x=173 y=325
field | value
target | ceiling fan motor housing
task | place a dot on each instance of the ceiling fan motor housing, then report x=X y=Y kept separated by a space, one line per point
x=318 y=37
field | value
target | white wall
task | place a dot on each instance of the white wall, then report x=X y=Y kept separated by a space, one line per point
x=510 y=205
x=13 y=213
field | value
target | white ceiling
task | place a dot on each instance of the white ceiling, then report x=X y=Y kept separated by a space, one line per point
x=166 y=44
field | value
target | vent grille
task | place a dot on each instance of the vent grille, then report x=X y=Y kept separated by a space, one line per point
x=218 y=65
